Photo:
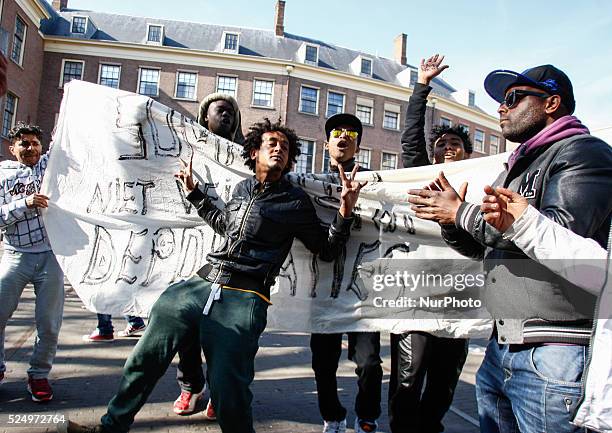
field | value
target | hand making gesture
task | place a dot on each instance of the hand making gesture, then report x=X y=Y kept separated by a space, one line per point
x=185 y=175
x=430 y=69
x=438 y=201
x=501 y=207
x=350 y=191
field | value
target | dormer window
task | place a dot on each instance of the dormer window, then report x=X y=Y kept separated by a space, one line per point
x=231 y=42
x=366 y=67
x=79 y=25
x=155 y=34
x=311 y=55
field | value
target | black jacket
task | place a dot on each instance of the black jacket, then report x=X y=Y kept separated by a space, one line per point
x=569 y=182
x=259 y=226
x=414 y=146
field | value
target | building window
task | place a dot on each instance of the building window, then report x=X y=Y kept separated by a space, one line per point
x=72 y=70
x=335 y=103
x=391 y=120
x=19 y=40
x=479 y=139
x=109 y=75
x=363 y=158
x=414 y=77
x=364 y=113
x=306 y=159
x=465 y=127
x=366 y=67
x=148 y=82
x=388 y=161
x=186 y=83
x=8 y=117
x=471 y=99
x=493 y=145
x=155 y=34
x=262 y=93
x=79 y=25
x=227 y=85
x=312 y=54
x=325 y=167
x=309 y=100
x=446 y=122
x=230 y=42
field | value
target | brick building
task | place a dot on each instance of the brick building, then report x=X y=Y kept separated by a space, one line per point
x=270 y=72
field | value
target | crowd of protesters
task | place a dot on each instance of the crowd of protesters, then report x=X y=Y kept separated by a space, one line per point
x=550 y=206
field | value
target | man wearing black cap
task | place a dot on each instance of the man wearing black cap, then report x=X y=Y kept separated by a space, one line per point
x=344 y=132
x=530 y=379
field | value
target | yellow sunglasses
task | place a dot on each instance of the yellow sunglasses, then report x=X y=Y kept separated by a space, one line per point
x=338 y=132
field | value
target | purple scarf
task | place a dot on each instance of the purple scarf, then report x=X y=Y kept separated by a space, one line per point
x=564 y=127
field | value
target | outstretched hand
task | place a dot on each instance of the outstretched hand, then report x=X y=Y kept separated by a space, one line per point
x=185 y=175
x=438 y=201
x=350 y=191
x=430 y=69
x=501 y=207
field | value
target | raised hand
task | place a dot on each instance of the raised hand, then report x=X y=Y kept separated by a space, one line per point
x=350 y=191
x=185 y=175
x=430 y=69
x=438 y=201
x=37 y=201
x=501 y=207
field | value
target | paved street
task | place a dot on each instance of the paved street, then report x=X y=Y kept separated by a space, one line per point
x=85 y=376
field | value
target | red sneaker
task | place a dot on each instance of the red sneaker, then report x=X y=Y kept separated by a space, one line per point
x=186 y=403
x=96 y=337
x=210 y=411
x=40 y=389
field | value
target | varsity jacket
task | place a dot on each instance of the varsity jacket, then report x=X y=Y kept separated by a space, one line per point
x=259 y=225
x=543 y=240
x=569 y=182
x=23 y=228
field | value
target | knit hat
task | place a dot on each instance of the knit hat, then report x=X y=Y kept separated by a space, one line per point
x=236 y=127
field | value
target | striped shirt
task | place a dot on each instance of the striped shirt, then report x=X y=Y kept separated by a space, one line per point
x=22 y=227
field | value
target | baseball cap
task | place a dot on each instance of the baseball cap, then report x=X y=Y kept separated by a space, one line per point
x=344 y=119
x=545 y=77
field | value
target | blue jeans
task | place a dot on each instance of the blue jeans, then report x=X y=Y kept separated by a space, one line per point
x=43 y=271
x=529 y=389
x=105 y=323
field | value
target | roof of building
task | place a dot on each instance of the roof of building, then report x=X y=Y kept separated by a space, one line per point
x=209 y=37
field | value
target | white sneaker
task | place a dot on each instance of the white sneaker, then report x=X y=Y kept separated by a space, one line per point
x=334 y=426
x=363 y=426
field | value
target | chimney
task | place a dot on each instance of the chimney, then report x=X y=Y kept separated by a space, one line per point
x=399 y=50
x=279 y=18
x=60 y=5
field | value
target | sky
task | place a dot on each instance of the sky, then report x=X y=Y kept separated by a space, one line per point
x=477 y=36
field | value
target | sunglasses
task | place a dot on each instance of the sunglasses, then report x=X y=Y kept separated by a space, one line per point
x=515 y=96
x=338 y=132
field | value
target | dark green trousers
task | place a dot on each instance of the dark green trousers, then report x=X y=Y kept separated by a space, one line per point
x=230 y=339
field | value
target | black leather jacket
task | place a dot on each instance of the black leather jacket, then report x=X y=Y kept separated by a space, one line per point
x=259 y=225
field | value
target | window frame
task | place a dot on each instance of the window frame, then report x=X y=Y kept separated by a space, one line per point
x=82 y=62
x=268 y=80
x=153 y=68
x=195 y=86
x=23 y=40
x=224 y=38
x=371 y=107
x=14 y=113
x=442 y=119
x=385 y=116
x=314 y=153
x=358 y=154
x=72 y=25
x=363 y=74
x=318 y=91
x=235 y=77
x=100 y=73
x=484 y=139
x=311 y=62
x=327 y=105
x=491 y=136
x=382 y=154
x=162 y=34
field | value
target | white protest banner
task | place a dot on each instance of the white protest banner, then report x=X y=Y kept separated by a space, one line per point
x=123 y=231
